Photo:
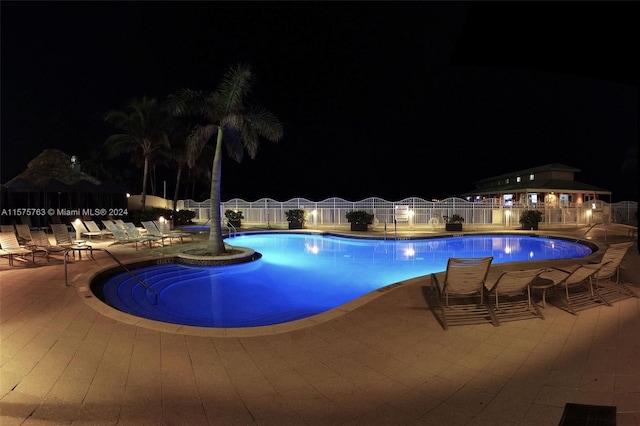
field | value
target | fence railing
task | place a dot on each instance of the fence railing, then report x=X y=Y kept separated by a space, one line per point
x=417 y=212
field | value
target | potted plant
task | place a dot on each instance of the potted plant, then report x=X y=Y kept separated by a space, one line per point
x=453 y=223
x=530 y=218
x=234 y=217
x=296 y=218
x=359 y=219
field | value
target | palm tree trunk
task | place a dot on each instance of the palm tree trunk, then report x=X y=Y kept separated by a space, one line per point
x=145 y=174
x=175 y=193
x=216 y=244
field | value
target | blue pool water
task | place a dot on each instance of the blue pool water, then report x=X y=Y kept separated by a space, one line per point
x=301 y=275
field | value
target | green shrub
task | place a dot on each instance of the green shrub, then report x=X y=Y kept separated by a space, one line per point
x=296 y=215
x=359 y=216
x=531 y=216
x=233 y=215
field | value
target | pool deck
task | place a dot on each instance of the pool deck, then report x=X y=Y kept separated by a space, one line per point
x=65 y=358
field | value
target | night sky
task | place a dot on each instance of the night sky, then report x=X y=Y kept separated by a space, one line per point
x=378 y=99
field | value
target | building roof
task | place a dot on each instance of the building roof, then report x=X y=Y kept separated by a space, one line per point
x=547 y=185
x=51 y=171
x=545 y=168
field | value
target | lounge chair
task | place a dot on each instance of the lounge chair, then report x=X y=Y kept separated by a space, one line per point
x=574 y=287
x=133 y=232
x=462 y=292
x=82 y=231
x=607 y=280
x=41 y=240
x=109 y=225
x=121 y=237
x=154 y=231
x=61 y=235
x=11 y=248
x=510 y=295
x=24 y=234
x=93 y=228
x=7 y=228
x=164 y=228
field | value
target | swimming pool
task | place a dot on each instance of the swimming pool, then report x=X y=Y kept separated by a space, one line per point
x=300 y=275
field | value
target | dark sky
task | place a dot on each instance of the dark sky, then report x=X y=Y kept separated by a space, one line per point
x=384 y=99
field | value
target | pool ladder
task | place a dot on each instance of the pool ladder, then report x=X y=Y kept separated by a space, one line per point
x=154 y=300
x=395 y=230
x=231 y=228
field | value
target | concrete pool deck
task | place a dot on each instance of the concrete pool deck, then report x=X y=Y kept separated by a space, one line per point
x=66 y=360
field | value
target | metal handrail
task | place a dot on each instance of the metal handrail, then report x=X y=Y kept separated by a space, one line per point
x=149 y=289
x=586 y=232
x=230 y=227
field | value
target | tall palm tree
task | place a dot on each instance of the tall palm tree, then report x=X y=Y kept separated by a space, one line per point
x=236 y=126
x=143 y=123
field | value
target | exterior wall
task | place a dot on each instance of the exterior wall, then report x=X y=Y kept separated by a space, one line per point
x=135 y=202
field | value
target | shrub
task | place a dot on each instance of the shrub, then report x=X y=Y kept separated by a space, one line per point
x=296 y=215
x=359 y=216
x=233 y=215
x=530 y=216
x=456 y=218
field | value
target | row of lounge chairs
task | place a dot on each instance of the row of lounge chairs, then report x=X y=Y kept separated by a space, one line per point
x=466 y=297
x=154 y=233
x=23 y=242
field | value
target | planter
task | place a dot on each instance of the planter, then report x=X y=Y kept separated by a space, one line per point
x=453 y=226
x=359 y=226
x=529 y=226
x=295 y=225
x=235 y=223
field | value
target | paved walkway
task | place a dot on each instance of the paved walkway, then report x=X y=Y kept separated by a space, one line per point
x=64 y=359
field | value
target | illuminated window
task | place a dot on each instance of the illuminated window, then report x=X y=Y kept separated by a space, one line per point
x=518 y=179
x=506 y=180
x=532 y=176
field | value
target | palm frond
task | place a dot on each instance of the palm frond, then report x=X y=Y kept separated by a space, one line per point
x=187 y=102
x=196 y=143
x=120 y=144
x=234 y=143
x=235 y=86
x=266 y=124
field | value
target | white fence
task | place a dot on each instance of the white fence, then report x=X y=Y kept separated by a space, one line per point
x=416 y=212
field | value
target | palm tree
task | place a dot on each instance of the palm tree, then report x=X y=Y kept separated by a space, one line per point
x=143 y=123
x=239 y=127
x=182 y=153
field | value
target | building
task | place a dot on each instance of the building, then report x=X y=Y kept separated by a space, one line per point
x=551 y=185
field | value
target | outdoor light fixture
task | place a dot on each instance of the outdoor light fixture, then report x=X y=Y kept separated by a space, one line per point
x=161 y=218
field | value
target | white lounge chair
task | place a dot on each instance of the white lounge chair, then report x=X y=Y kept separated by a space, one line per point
x=510 y=295
x=11 y=248
x=575 y=287
x=94 y=228
x=462 y=292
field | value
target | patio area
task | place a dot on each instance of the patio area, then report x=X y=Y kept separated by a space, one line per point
x=65 y=358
